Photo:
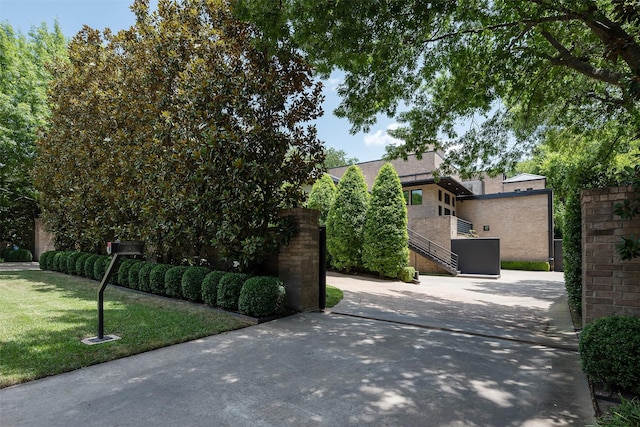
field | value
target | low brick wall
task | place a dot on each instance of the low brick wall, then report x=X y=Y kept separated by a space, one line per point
x=609 y=285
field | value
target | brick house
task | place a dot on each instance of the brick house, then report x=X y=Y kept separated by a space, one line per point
x=517 y=211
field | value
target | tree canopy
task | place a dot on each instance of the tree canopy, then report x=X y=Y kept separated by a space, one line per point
x=485 y=80
x=184 y=130
x=23 y=111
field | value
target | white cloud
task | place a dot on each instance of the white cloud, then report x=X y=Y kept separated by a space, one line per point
x=381 y=137
x=332 y=84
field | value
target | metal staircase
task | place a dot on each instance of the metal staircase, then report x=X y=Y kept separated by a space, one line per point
x=436 y=253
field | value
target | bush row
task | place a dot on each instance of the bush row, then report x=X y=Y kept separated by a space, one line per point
x=258 y=296
x=525 y=265
x=16 y=255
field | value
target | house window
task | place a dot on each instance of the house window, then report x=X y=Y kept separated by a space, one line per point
x=447 y=198
x=517 y=190
x=416 y=197
x=453 y=201
x=406 y=196
x=440 y=210
x=530 y=189
x=440 y=195
x=447 y=211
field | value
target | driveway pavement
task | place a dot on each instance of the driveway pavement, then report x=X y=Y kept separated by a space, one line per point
x=447 y=352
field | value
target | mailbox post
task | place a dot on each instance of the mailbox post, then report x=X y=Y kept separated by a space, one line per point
x=118 y=249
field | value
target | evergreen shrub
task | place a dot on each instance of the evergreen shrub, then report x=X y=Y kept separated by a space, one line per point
x=173 y=281
x=122 y=278
x=525 y=265
x=229 y=290
x=262 y=296
x=50 y=260
x=191 y=283
x=62 y=262
x=406 y=274
x=80 y=263
x=156 y=278
x=57 y=258
x=19 y=255
x=43 y=259
x=72 y=259
x=100 y=267
x=610 y=351
x=144 y=276
x=210 y=287
x=89 y=264
x=133 y=275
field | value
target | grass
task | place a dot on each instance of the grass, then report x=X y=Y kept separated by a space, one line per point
x=45 y=315
x=334 y=296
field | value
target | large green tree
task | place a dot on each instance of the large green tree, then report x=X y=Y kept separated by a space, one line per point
x=185 y=131
x=385 y=246
x=24 y=110
x=484 y=80
x=346 y=220
x=321 y=197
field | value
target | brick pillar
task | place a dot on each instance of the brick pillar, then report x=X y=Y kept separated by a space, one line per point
x=610 y=285
x=43 y=240
x=298 y=262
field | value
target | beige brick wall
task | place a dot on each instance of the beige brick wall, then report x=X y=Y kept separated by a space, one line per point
x=610 y=285
x=520 y=221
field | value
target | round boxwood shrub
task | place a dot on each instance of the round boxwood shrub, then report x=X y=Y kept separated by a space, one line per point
x=44 y=259
x=610 y=351
x=229 y=290
x=134 y=274
x=80 y=263
x=173 y=281
x=100 y=267
x=123 y=272
x=50 y=260
x=72 y=259
x=143 y=276
x=62 y=261
x=156 y=278
x=19 y=255
x=89 y=264
x=210 y=287
x=262 y=296
x=191 y=283
x=57 y=258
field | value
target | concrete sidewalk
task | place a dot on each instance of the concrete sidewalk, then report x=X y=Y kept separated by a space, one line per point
x=334 y=370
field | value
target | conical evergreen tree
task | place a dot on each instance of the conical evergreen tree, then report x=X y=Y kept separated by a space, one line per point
x=346 y=219
x=322 y=195
x=385 y=249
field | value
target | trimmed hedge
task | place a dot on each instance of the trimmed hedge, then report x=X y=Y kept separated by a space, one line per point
x=229 y=290
x=525 y=265
x=57 y=258
x=123 y=272
x=143 y=276
x=72 y=259
x=262 y=296
x=50 y=260
x=210 y=287
x=18 y=255
x=156 y=278
x=406 y=274
x=610 y=351
x=100 y=267
x=191 y=283
x=43 y=259
x=134 y=274
x=89 y=264
x=173 y=281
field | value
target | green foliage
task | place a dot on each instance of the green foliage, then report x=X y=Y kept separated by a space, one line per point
x=123 y=272
x=525 y=265
x=44 y=258
x=156 y=278
x=229 y=289
x=133 y=276
x=72 y=260
x=187 y=128
x=628 y=209
x=144 y=276
x=322 y=195
x=524 y=69
x=334 y=296
x=89 y=265
x=627 y=414
x=191 y=283
x=385 y=249
x=100 y=267
x=56 y=261
x=262 y=296
x=336 y=158
x=173 y=281
x=63 y=262
x=19 y=255
x=407 y=274
x=80 y=263
x=210 y=287
x=24 y=111
x=610 y=351
x=346 y=220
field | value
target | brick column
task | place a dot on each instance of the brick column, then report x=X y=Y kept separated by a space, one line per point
x=610 y=285
x=43 y=240
x=298 y=262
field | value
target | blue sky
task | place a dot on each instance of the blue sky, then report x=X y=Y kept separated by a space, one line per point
x=116 y=15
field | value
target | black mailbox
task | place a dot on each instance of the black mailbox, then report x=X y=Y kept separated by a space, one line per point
x=125 y=247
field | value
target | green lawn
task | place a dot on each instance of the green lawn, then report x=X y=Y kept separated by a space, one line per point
x=334 y=296
x=45 y=315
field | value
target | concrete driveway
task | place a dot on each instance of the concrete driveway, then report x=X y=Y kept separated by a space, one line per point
x=447 y=352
